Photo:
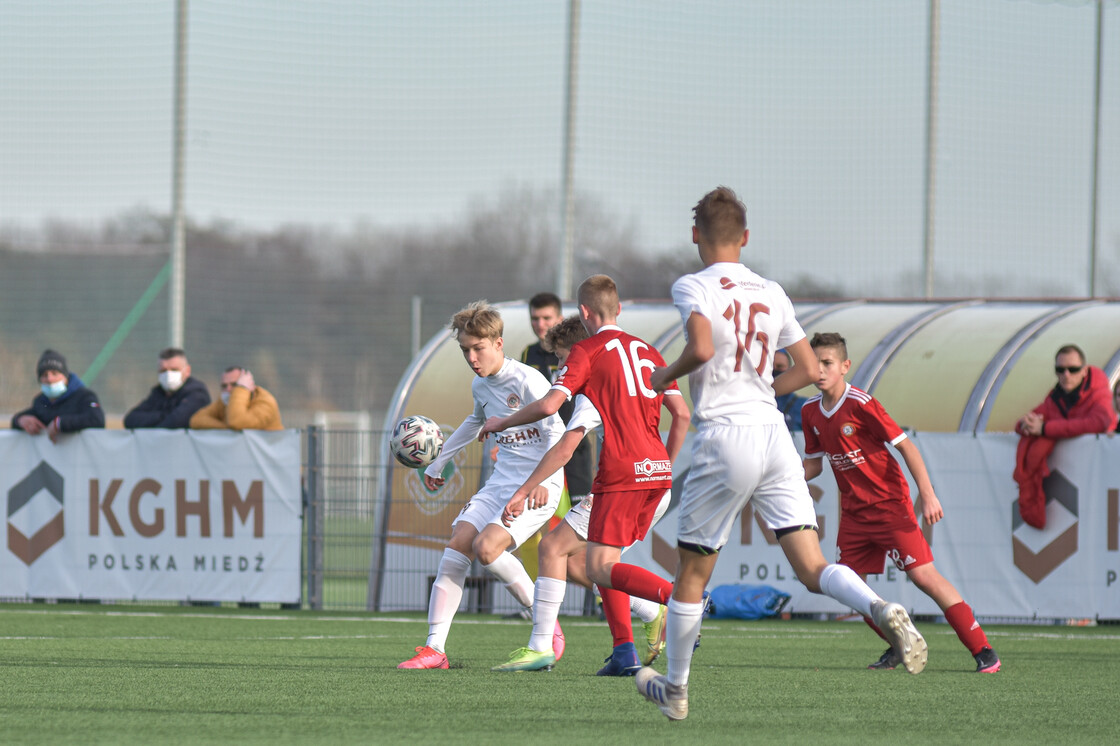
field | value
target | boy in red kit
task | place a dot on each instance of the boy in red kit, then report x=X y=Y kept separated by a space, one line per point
x=876 y=515
x=611 y=368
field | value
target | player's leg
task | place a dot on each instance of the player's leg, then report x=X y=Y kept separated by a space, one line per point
x=623 y=660
x=447 y=593
x=958 y=614
x=618 y=520
x=652 y=614
x=715 y=493
x=864 y=551
x=803 y=550
x=682 y=627
x=544 y=647
x=494 y=546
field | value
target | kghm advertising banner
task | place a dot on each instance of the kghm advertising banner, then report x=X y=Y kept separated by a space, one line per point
x=152 y=515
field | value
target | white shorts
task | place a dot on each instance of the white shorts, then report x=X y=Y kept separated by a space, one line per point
x=580 y=514
x=488 y=503
x=732 y=464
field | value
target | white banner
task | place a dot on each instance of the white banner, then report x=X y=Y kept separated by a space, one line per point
x=1001 y=566
x=152 y=515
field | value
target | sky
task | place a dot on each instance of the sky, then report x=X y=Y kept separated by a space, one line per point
x=397 y=113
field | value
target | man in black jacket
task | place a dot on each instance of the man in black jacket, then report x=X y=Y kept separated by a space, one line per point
x=177 y=397
x=65 y=404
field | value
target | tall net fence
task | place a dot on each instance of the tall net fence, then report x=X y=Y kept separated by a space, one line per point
x=344 y=157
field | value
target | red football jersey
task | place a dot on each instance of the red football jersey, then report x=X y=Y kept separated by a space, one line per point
x=855 y=436
x=612 y=369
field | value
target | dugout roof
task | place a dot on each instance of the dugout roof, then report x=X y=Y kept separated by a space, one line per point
x=944 y=366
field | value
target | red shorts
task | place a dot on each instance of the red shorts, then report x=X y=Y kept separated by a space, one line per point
x=618 y=519
x=865 y=548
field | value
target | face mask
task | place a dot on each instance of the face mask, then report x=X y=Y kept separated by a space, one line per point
x=225 y=398
x=171 y=380
x=53 y=390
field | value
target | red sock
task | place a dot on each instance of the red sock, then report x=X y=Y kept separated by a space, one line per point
x=616 y=608
x=960 y=617
x=640 y=582
x=875 y=628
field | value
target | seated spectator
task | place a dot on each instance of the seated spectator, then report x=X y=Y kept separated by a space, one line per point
x=243 y=406
x=1077 y=405
x=65 y=406
x=789 y=404
x=171 y=403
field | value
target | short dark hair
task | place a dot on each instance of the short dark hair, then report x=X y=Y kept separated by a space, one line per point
x=169 y=352
x=1071 y=348
x=720 y=216
x=830 y=339
x=545 y=300
x=232 y=368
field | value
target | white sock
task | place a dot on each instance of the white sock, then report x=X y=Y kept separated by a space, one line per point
x=447 y=592
x=644 y=609
x=549 y=594
x=511 y=572
x=842 y=583
x=682 y=625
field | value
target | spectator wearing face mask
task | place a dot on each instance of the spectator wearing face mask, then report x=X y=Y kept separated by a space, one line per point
x=177 y=397
x=65 y=404
x=243 y=406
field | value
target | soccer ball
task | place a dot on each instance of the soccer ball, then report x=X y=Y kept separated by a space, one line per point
x=416 y=441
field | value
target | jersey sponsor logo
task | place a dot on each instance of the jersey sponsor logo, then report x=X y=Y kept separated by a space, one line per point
x=528 y=436
x=726 y=283
x=847 y=461
x=648 y=468
x=513 y=401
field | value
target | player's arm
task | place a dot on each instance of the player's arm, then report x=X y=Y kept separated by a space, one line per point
x=554 y=460
x=698 y=350
x=930 y=506
x=546 y=406
x=678 y=428
x=457 y=441
x=814 y=466
x=805 y=369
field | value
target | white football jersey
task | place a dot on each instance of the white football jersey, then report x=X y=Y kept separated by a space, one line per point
x=751 y=317
x=520 y=448
x=585 y=415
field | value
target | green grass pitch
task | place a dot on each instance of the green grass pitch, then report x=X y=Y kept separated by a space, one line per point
x=101 y=674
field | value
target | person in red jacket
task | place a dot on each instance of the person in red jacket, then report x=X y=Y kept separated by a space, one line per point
x=1081 y=403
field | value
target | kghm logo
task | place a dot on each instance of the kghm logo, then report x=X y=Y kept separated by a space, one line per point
x=648 y=467
x=30 y=501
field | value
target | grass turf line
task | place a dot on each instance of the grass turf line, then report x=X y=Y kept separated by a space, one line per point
x=167 y=675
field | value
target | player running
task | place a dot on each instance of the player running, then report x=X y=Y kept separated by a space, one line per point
x=876 y=513
x=734 y=320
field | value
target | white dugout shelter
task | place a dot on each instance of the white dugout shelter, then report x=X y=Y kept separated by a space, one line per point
x=957 y=374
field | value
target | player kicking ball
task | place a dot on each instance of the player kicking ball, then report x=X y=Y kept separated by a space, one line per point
x=876 y=514
x=501 y=386
x=563 y=550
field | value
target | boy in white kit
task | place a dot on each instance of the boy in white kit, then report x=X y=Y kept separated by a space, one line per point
x=734 y=321
x=501 y=387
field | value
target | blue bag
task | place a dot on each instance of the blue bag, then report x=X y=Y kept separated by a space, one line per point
x=746 y=602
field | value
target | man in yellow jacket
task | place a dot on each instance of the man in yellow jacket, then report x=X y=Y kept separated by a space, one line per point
x=243 y=406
